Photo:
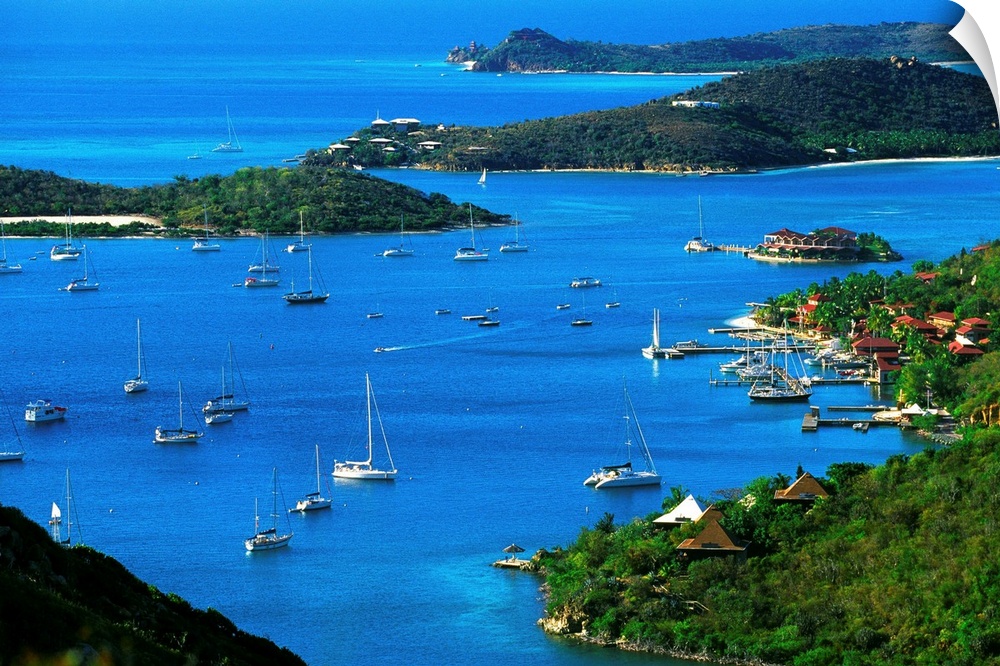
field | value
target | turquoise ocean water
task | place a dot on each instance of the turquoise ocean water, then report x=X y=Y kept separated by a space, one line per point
x=493 y=430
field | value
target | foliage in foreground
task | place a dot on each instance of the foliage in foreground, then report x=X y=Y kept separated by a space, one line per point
x=75 y=605
x=900 y=566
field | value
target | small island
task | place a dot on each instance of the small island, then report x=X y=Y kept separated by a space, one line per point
x=535 y=50
x=829 y=245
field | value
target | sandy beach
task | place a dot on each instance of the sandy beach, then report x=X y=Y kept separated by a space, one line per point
x=113 y=220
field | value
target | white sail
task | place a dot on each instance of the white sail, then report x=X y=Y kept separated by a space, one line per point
x=56 y=513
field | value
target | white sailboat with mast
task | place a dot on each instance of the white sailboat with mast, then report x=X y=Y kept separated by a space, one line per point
x=300 y=245
x=138 y=383
x=9 y=453
x=66 y=251
x=205 y=245
x=515 y=245
x=177 y=435
x=85 y=283
x=654 y=350
x=6 y=267
x=471 y=253
x=56 y=519
x=264 y=267
x=699 y=243
x=624 y=474
x=232 y=145
x=402 y=250
x=268 y=539
x=364 y=469
x=313 y=501
x=227 y=400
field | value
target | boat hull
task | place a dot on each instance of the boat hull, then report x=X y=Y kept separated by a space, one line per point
x=629 y=480
x=42 y=412
x=167 y=436
x=225 y=405
x=202 y=247
x=513 y=248
x=397 y=252
x=312 y=505
x=11 y=456
x=254 y=283
x=342 y=471
x=304 y=298
x=472 y=257
x=267 y=542
x=136 y=386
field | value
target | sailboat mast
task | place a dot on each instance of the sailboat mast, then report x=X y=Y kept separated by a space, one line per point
x=302 y=238
x=310 y=270
x=138 y=337
x=180 y=407
x=368 y=392
x=317 y=470
x=472 y=226
x=701 y=224
x=69 y=512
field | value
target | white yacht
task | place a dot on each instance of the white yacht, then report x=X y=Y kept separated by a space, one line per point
x=364 y=469
x=624 y=474
x=43 y=410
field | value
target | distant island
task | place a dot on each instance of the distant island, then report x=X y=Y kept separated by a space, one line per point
x=816 y=112
x=62 y=605
x=534 y=50
x=255 y=200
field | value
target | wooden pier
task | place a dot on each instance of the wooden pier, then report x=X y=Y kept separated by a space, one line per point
x=513 y=563
x=811 y=421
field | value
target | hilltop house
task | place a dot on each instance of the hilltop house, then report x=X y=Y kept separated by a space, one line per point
x=805 y=489
x=829 y=244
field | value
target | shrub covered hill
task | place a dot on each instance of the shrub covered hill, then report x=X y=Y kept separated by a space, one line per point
x=76 y=606
x=807 y=113
x=252 y=199
x=534 y=50
x=899 y=565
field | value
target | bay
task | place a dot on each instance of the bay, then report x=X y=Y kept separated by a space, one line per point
x=493 y=430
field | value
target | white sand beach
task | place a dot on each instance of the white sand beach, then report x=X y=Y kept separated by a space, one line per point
x=113 y=220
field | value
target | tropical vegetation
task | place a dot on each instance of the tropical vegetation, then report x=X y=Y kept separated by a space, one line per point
x=534 y=50
x=77 y=606
x=815 y=112
x=252 y=199
x=898 y=566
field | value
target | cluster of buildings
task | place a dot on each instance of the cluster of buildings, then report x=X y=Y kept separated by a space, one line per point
x=829 y=244
x=714 y=540
x=386 y=136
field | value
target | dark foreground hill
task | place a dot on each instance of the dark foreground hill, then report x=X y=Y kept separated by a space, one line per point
x=77 y=606
x=807 y=113
x=534 y=50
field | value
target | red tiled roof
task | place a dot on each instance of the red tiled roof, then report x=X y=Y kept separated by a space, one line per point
x=943 y=316
x=959 y=349
x=975 y=322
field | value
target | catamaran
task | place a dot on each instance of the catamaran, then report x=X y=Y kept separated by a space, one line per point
x=624 y=474
x=268 y=539
x=313 y=501
x=364 y=469
x=138 y=384
x=177 y=435
x=229 y=146
x=654 y=350
x=699 y=243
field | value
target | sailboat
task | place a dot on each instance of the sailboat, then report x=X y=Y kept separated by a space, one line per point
x=268 y=539
x=515 y=245
x=471 y=253
x=84 y=283
x=699 y=243
x=264 y=267
x=482 y=178
x=228 y=146
x=15 y=453
x=137 y=384
x=781 y=386
x=402 y=250
x=624 y=474
x=300 y=245
x=205 y=245
x=582 y=320
x=313 y=501
x=66 y=251
x=654 y=350
x=310 y=295
x=364 y=469
x=227 y=402
x=55 y=519
x=177 y=435
x=222 y=415
x=4 y=266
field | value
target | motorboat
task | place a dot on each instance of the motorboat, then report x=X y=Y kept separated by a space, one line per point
x=43 y=410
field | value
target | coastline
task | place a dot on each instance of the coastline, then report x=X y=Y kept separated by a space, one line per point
x=113 y=220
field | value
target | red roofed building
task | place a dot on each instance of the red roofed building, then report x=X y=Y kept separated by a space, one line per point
x=942 y=319
x=965 y=351
x=832 y=243
x=869 y=346
x=925 y=277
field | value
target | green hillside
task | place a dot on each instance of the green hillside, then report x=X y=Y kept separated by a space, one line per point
x=827 y=110
x=77 y=606
x=255 y=199
x=899 y=566
x=534 y=50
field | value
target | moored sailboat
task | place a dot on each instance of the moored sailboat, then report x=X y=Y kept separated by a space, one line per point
x=6 y=267
x=56 y=519
x=654 y=350
x=227 y=400
x=364 y=469
x=232 y=144
x=402 y=250
x=300 y=245
x=624 y=474
x=177 y=435
x=310 y=295
x=205 y=245
x=138 y=383
x=515 y=245
x=471 y=253
x=86 y=283
x=699 y=243
x=264 y=267
x=313 y=501
x=268 y=538
x=66 y=251
x=11 y=453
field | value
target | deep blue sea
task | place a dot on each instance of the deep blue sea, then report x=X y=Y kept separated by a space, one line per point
x=493 y=430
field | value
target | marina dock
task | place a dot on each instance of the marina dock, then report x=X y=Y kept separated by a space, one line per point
x=811 y=421
x=513 y=563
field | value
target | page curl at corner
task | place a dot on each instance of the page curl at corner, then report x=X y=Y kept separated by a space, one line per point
x=979 y=33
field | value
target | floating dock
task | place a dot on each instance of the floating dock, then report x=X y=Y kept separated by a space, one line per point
x=811 y=421
x=513 y=563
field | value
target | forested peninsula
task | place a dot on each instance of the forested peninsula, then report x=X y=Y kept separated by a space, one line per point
x=891 y=564
x=256 y=199
x=817 y=112
x=77 y=606
x=534 y=50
